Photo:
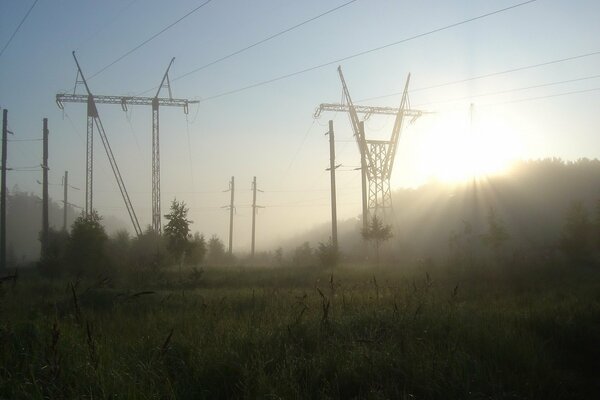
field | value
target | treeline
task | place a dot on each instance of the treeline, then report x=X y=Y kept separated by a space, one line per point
x=545 y=207
x=86 y=250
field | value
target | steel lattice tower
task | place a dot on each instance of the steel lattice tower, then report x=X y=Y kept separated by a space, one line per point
x=377 y=156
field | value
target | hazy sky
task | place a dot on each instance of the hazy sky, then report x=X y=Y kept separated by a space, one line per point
x=268 y=131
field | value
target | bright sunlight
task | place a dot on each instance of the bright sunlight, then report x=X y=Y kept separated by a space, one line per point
x=456 y=148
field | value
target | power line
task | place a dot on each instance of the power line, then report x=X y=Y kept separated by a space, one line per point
x=362 y=53
x=510 y=90
x=544 y=97
x=485 y=75
x=149 y=39
x=18 y=27
x=24 y=140
x=273 y=36
x=106 y=25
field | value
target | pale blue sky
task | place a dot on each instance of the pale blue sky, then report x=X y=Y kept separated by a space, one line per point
x=268 y=131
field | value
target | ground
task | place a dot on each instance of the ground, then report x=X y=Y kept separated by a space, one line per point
x=423 y=332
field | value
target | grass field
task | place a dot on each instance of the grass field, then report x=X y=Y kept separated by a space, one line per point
x=290 y=333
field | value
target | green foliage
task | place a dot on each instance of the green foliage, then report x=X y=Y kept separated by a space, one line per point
x=527 y=334
x=496 y=234
x=216 y=251
x=303 y=256
x=328 y=254
x=52 y=264
x=85 y=251
x=149 y=251
x=177 y=229
x=576 y=240
x=377 y=233
x=197 y=249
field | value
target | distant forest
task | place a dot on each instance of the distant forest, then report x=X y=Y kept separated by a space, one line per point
x=532 y=204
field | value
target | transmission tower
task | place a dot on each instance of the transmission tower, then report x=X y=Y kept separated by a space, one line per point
x=125 y=101
x=377 y=156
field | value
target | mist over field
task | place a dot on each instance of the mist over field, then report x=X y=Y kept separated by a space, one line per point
x=351 y=199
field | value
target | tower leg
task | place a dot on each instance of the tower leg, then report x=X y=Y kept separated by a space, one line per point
x=89 y=156
x=156 y=217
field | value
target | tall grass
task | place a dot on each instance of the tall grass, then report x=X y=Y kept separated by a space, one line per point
x=305 y=333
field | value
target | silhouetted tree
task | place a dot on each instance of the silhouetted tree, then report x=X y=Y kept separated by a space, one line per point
x=576 y=234
x=177 y=229
x=149 y=250
x=216 y=251
x=197 y=249
x=303 y=255
x=119 y=249
x=53 y=262
x=496 y=234
x=85 y=248
x=377 y=233
x=327 y=254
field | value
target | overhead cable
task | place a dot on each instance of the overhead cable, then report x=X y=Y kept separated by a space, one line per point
x=18 y=27
x=362 y=53
x=148 y=40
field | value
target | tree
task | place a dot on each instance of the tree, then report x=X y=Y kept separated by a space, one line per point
x=216 y=251
x=149 y=250
x=197 y=249
x=177 y=229
x=576 y=234
x=303 y=255
x=328 y=254
x=496 y=234
x=85 y=247
x=377 y=233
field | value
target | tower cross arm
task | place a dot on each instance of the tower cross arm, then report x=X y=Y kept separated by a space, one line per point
x=129 y=100
x=367 y=110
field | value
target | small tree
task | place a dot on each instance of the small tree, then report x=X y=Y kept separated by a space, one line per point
x=328 y=254
x=177 y=229
x=216 y=251
x=85 y=248
x=303 y=255
x=496 y=235
x=197 y=249
x=377 y=233
x=576 y=234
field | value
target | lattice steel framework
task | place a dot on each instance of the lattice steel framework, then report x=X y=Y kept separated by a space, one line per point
x=155 y=102
x=377 y=156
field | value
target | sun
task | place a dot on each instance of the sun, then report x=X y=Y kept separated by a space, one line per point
x=455 y=148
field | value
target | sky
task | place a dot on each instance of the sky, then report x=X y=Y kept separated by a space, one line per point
x=268 y=131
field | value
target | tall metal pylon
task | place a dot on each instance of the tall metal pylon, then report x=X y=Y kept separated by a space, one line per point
x=155 y=102
x=377 y=156
x=93 y=119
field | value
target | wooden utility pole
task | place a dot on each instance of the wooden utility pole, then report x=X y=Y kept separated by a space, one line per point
x=65 y=200
x=45 y=225
x=254 y=212
x=232 y=189
x=332 y=167
x=3 y=194
x=363 y=172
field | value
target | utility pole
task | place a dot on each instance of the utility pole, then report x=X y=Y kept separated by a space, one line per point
x=363 y=176
x=45 y=189
x=254 y=212
x=332 y=168
x=232 y=189
x=65 y=200
x=3 y=195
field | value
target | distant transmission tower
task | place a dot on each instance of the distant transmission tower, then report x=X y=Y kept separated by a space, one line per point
x=377 y=156
x=124 y=101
